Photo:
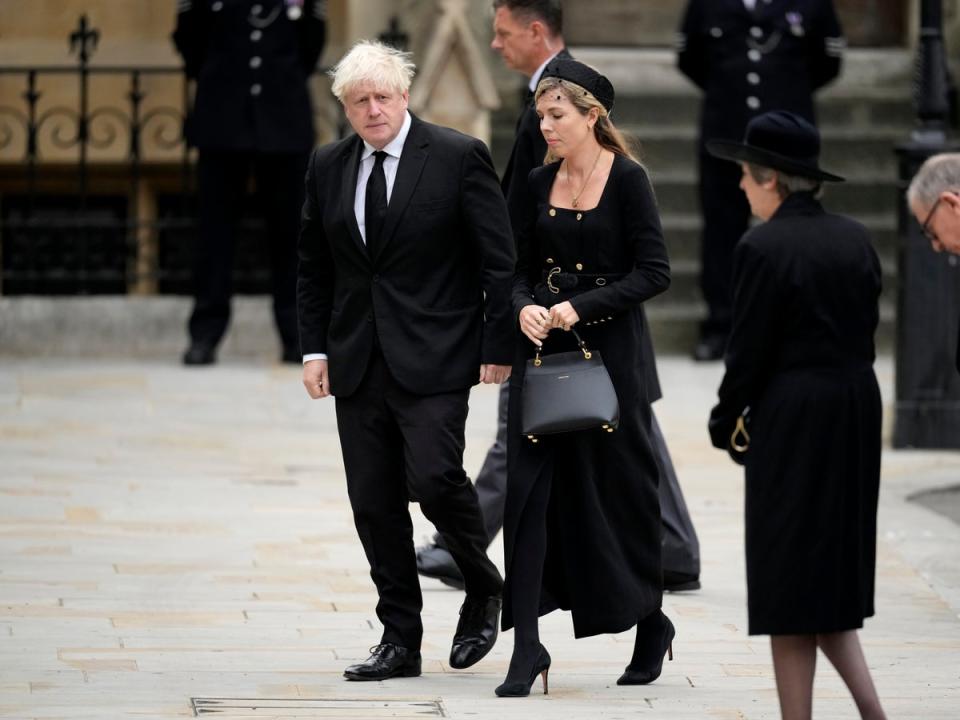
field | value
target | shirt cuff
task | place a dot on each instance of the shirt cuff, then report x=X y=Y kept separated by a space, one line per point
x=314 y=356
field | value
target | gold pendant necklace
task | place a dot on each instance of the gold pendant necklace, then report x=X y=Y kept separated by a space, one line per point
x=575 y=197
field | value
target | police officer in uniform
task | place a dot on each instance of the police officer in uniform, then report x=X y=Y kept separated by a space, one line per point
x=251 y=60
x=748 y=57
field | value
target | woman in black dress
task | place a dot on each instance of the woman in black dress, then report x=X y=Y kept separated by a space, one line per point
x=582 y=518
x=800 y=357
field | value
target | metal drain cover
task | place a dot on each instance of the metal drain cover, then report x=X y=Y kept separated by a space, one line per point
x=317 y=708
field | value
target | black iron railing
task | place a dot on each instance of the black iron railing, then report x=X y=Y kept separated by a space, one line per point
x=97 y=182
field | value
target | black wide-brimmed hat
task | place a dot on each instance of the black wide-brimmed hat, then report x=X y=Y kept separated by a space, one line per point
x=566 y=68
x=778 y=140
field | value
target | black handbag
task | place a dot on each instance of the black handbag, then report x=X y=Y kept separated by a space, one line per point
x=566 y=392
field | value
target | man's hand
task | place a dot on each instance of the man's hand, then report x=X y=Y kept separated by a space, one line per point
x=315 y=379
x=494 y=374
x=563 y=316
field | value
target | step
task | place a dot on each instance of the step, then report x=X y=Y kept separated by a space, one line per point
x=683 y=230
x=865 y=152
x=861 y=195
x=675 y=326
x=685 y=280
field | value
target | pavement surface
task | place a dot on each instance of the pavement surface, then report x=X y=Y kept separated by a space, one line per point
x=178 y=542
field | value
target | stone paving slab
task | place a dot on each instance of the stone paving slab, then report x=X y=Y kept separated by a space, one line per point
x=171 y=534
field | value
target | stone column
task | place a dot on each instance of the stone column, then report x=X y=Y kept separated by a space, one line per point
x=454 y=86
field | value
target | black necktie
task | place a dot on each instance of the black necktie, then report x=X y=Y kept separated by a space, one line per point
x=375 y=207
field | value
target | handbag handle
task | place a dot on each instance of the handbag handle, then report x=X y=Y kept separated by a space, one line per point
x=740 y=429
x=582 y=345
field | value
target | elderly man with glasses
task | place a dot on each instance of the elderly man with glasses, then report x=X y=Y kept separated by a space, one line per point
x=934 y=199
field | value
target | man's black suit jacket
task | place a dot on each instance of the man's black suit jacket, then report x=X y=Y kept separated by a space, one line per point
x=528 y=152
x=437 y=293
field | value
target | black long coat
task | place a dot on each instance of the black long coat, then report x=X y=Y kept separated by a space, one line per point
x=251 y=63
x=801 y=358
x=603 y=538
x=528 y=152
x=437 y=291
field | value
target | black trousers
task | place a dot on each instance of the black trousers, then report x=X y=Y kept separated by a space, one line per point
x=222 y=183
x=726 y=216
x=399 y=446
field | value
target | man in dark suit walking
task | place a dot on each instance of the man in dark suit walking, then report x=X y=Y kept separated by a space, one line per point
x=406 y=263
x=934 y=199
x=251 y=60
x=528 y=34
x=748 y=57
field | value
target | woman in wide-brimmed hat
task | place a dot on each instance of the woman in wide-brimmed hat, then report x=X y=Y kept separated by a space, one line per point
x=799 y=407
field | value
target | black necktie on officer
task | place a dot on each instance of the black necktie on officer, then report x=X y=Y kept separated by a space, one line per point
x=375 y=204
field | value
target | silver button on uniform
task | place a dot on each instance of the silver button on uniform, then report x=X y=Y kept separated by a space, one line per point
x=753 y=78
x=756 y=32
x=753 y=103
x=255 y=62
x=256 y=9
x=256 y=35
x=754 y=55
x=256 y=89
x=217 y=6
x=716 y=32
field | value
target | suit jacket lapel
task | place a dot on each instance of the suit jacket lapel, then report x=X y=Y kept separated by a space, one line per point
x=351 y=168
x=412 y=159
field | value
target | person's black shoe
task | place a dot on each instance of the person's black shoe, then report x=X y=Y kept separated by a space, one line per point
x=386 y=661
x=514 y=687
x=291 y=354
x=200 y=354
x=436 y=562
x=710 y=348
x=476 y=631
x=647 y=663
x=679 y=582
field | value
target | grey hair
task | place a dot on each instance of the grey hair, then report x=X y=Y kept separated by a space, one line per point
x=372 y=63
x=786 y=184
x=937 y=174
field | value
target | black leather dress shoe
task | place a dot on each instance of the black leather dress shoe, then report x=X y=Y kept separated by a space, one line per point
x=386 y=661
x=436 y=562
x=710 y=348
x=200 y=354
x=476 y=631
x=679 y=582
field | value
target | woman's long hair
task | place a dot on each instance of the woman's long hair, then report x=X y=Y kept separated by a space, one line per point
x=605 y=132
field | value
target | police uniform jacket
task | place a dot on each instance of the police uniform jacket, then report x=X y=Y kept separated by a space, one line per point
x=751 y=62
x=251 y=61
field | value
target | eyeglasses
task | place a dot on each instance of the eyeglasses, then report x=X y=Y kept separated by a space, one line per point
x=925 y=228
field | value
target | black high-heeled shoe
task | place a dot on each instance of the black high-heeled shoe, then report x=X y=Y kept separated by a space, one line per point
x=635 y=674
x=521 y=688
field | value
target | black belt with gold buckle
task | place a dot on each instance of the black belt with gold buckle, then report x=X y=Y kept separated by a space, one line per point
x=558 y=280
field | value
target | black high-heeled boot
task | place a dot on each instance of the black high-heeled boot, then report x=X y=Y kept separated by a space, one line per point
x=521 y=675
x=648 y=651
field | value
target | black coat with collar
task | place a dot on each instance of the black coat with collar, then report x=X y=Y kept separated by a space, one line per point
x=437 y=294
x=751 y=62
x=800 y=356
